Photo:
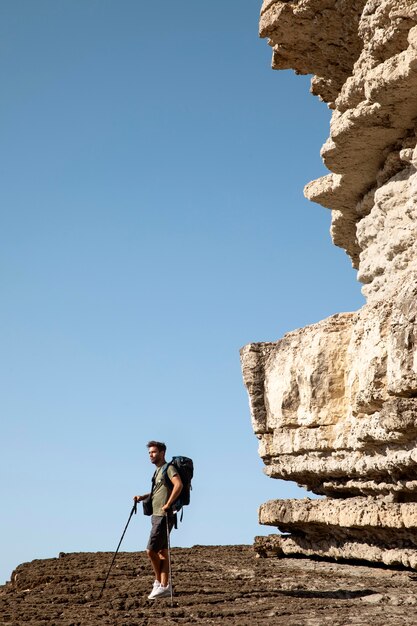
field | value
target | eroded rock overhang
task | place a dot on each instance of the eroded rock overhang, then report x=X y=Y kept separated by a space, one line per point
x=334 y=405
x=363 y=56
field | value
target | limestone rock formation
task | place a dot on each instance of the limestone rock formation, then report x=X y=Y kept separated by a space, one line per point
x=334 y=404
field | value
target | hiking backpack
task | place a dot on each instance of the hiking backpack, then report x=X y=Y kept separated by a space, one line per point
x=185 y=469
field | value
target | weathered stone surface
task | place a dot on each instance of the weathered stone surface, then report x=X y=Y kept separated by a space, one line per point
x=334 y=405
x=224 y=585
x=364 y=529
x=314 y=38
x=364 y=58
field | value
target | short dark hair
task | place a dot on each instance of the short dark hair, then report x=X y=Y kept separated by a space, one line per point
x=157 y=444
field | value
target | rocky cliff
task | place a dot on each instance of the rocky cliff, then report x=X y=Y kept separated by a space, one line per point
x=334 y=405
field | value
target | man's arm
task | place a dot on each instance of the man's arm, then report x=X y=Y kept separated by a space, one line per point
x=176 y=490
x=140 y=498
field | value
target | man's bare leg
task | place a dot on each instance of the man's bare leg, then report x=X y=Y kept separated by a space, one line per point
x=160 y=565
x=163 y=555
x=156 y=563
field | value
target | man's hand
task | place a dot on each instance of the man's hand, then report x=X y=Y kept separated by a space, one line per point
x=166 y=508
x=139 y=498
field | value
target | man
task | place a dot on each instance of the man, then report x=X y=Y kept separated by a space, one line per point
x=162 y=518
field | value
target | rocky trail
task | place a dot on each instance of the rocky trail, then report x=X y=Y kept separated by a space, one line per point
x=212 y=585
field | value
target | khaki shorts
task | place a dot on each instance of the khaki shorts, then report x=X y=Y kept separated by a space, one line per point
x=158 y=539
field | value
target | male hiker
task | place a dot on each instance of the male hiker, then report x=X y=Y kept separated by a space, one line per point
x=162 y=518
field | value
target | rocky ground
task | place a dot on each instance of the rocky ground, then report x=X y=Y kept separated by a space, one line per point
x=224 y=585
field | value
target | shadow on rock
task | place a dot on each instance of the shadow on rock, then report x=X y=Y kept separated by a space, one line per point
x=338 y=594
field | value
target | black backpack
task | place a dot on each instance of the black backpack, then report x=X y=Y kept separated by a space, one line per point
x=185 y=469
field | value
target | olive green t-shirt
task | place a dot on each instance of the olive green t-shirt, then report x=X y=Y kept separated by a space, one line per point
x=160 y=493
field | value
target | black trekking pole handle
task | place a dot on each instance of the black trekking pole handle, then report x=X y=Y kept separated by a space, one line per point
x=134 y=510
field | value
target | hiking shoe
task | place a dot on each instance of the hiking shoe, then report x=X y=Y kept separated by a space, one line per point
x=155 y=588
x=160 y=592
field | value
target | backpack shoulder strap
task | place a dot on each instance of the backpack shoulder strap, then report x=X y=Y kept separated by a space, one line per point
x=165 y=477
x=153 y=480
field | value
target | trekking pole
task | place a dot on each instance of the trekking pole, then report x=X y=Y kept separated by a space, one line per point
x=134 y=509
x=169 y=560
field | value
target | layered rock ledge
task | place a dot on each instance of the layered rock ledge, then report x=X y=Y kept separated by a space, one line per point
x=363 y=529
x=334 y=405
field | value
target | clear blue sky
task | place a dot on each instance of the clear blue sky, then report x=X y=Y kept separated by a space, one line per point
x=152 y=223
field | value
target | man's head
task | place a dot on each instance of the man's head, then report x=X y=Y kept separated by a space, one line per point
x=156 y=451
